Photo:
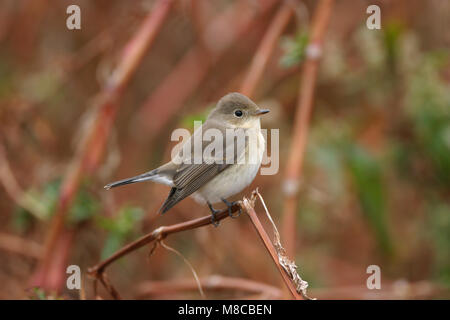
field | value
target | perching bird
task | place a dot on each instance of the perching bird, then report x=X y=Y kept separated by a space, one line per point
x=213 y=177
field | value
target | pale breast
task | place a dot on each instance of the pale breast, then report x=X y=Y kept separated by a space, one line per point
x=232 y=180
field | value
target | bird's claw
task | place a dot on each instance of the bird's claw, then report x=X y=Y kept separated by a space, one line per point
x=230 y=206
x=214 y=221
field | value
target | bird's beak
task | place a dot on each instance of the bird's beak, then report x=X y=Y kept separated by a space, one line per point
x=260 y=112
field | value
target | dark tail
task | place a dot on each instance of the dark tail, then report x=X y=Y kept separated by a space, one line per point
x=142 y=177
x=170 y=201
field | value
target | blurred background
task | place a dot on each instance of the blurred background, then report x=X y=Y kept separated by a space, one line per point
x=81 y=108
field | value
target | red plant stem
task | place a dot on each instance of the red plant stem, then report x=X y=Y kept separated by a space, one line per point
x=212 y=283
x=93 y=147
x=188 y=74
x=56 y=274
x=301 y=122
x=265 y=49
x=198 y=11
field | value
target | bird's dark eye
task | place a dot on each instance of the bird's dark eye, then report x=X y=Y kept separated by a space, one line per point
x=238 y=113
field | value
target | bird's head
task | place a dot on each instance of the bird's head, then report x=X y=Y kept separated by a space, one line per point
x=237 y=110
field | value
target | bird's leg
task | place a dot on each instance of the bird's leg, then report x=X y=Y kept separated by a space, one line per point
x=214 y=221
x=230 y=206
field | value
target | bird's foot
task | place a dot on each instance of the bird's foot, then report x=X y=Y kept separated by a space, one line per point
x=230 y=206
x=214 y=220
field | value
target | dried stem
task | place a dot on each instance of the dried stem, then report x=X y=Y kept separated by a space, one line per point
x=301 y=122
x=186 y=261
x=248 y=205
x=92 y=148
x=266 y=48
x=288 y=265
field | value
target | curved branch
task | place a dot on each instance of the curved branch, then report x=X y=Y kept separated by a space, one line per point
x=286 y=268
x=97 y=271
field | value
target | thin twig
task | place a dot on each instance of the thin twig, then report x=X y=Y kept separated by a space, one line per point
x=174 y=90
x=301 y=122
x=197 y=280
x=83 y=288
x=160 y=233
x=266 y=48
x=108 y=286
x=248 y=205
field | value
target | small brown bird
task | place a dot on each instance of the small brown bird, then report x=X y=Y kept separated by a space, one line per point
x=221 y=174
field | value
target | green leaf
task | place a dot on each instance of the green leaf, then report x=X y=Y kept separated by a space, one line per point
x=120 y=228
x=392 y=34
x=113 y=243
x=438 y=229
x=84 y=207
x=294 y=49
x=428 y=106
x=188 y=121
x=21 y=220
x=366 y=175
x=39 y=294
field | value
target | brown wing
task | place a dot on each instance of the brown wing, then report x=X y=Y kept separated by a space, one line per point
x=191 y=177
x=189 y=180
